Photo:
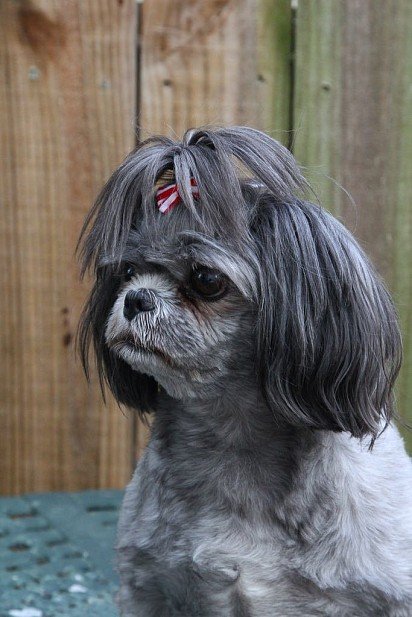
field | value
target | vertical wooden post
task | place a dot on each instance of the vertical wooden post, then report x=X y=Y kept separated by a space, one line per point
x=353 y=123
x=69 y=105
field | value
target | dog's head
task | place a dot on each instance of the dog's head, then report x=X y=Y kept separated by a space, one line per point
x=242 y=279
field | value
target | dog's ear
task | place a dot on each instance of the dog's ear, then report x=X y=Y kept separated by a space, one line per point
x=129 y=387
x=328 y=341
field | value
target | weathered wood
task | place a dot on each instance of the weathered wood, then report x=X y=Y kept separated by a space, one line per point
x=67 y=120
x=215 y=62
x=353 y=122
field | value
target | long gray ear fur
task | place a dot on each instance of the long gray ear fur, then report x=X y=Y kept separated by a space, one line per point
x=328 y=347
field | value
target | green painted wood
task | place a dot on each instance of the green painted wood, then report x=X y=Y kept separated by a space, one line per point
x=317 y=82
x=57 y=554
x=353 y=123
x=274 y=77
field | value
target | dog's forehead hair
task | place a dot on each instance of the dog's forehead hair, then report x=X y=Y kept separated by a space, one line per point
x=176 y=242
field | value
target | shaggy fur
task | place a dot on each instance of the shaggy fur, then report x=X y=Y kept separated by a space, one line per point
x=274 y=483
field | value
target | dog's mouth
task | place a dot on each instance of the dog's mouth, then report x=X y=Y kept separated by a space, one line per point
x=119 y=346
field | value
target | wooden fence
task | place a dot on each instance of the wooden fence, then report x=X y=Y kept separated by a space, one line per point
x=82 y=79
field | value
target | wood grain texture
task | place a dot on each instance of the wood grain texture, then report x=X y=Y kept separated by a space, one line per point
x=353 y=123
x=215 y=62
x=67 y=112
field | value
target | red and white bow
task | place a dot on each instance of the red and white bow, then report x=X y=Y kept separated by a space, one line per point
x=168 y=196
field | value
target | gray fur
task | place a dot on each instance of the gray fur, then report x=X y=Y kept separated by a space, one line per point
x=274 y=482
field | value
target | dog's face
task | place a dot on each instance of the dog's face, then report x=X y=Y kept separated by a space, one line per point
x=246 y=282
x=179 y=316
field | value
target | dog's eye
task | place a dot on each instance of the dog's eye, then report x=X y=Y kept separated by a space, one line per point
x=208 y=283
x=128 y=272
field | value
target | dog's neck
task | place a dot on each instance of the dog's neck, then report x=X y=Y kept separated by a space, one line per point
x=231 y=446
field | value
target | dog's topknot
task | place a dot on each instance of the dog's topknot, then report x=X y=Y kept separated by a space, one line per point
x=221 y=160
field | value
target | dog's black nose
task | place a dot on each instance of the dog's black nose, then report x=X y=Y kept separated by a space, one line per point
x=137 y=301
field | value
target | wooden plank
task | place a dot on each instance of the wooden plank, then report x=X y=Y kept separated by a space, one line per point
x=353 y=121
x=215 y=62
x=69 y=105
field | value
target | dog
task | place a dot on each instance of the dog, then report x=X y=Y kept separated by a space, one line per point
x=252 y=327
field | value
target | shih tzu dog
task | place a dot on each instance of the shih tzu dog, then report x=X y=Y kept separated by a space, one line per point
x=253 y=328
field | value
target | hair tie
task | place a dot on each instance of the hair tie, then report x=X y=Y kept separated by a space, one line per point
x=168 y=196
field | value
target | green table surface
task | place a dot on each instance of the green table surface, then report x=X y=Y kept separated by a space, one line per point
x=57 y=554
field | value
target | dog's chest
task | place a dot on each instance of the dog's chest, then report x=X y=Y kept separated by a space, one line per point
x=201 y=560
x=192 y=555
x=219 y=573
x=243 y=567
x=212 y=572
